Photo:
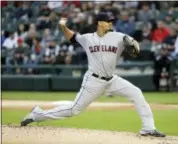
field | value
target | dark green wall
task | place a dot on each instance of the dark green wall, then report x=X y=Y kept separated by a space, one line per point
x=61 y=83
x=60 y=78
x=36 y=83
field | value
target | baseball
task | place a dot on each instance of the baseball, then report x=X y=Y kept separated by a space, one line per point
x=62 y=22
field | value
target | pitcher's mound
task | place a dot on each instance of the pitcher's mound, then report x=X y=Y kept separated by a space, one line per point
x=53 y=135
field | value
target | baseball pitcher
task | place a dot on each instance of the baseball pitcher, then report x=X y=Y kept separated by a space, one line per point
x=103 y=49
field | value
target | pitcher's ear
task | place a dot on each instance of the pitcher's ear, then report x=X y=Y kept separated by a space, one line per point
x=111 y=25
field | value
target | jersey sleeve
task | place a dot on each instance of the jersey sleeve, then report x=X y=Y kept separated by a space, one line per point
x=80 y=39
x=120 y=40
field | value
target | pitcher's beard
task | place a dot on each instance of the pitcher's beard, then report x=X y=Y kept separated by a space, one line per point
x=103 y=32
x=109 y=30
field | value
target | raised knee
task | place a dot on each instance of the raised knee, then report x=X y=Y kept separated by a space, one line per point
x=139 y=94
x=138 y=90
x=136 y=94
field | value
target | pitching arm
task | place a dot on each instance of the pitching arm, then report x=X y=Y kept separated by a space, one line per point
x=69 y=34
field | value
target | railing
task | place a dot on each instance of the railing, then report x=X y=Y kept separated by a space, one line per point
x=123 y=65
x=68 y=69
x=58 y=77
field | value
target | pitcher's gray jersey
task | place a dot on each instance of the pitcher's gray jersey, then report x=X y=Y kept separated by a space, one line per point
x=102 y=52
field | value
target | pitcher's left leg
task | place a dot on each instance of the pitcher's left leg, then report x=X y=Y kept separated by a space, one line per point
x=122 y=87
x=135 y=95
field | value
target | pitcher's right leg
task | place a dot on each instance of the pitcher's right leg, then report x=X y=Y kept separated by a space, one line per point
x=69 y=109
x=89 y=91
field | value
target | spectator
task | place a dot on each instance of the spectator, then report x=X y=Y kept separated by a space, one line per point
x=19 y=57
x=32 y=64
x=170 y=40
x=32 y=33
x=176 y=25
x=43 y=20
x=74 y=19
x=80 y=57
x=145 y=14
x=160 y=33
x=21 y=32
x=68 y=59
x=37 y=51
x=24 y=12
x=53 y=20
x=146 y=32
x=175 y=53
x=56 y=6
x=81 y=23
x=125 y=25
x=60 y=58
x=65 y=54
x=11 y=41
x=9 y=45
x=67 y=47
x=5 y=35
x=168 y=19
x=162 y=68
x=143 y=34
x=44 y=11
x=48 y=22
x=47 y=37
x=50 y=53
x=21 y=52
x=89 y=26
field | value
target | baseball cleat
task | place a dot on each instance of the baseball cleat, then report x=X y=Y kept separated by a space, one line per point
x=26 y=122
x=154 y=133
x=30 y=117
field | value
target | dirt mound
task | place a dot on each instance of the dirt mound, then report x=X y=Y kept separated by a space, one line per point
x=53 y=135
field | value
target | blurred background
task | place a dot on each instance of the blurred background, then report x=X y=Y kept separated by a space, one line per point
x=36 y=56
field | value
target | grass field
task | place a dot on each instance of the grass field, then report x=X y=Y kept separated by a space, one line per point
x=164 y=98
x=115 y=120
x=119 y=120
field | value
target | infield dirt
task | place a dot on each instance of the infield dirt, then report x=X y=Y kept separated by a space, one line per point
x=53 y=135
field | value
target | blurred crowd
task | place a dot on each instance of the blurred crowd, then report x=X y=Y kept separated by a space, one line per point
x=30 y=34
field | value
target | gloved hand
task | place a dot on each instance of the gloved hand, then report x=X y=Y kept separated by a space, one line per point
x=131 y=46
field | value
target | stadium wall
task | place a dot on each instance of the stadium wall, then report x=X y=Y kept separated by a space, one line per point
x=61 y=83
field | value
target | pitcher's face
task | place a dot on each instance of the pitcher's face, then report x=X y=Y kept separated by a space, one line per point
x=105 y=25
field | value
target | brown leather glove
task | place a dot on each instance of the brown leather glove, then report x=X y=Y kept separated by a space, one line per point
x=131 y=46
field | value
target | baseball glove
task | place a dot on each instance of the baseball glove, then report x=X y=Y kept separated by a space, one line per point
x=131 y=46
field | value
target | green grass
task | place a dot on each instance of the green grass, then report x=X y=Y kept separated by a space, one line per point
x=154 y=97
x=114 y=120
